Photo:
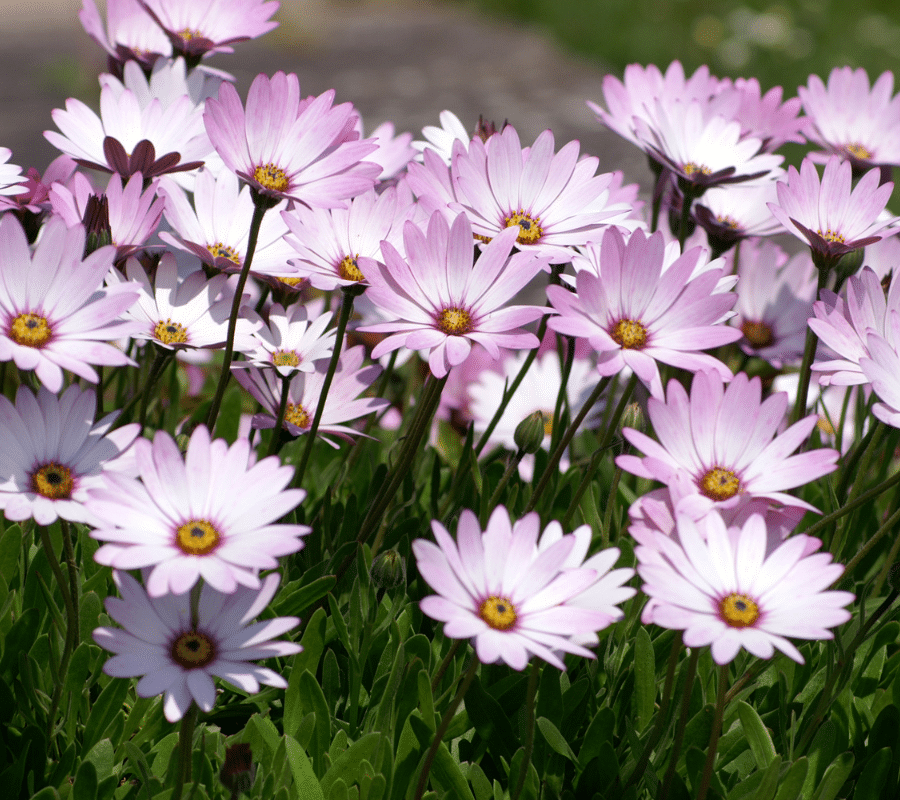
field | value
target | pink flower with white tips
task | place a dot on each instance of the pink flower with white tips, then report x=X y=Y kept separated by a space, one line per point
x=443 y=303
x=283 y=146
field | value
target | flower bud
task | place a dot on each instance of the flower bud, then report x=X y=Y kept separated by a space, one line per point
x=530 y=432
x=388 y=570
x=633 y=417
x=238 y=771
x=849 y=263
x=96 y=224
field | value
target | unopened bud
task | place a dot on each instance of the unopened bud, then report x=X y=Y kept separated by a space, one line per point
x=530 y=432
x=849 y=263
x=238 y=771
x=388 y=570
x=96 y=224
x=633 y=417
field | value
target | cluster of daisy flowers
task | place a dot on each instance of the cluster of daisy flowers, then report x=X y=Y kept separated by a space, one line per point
x=318 y=260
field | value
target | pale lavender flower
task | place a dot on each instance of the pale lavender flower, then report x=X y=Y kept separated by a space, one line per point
x=882 y=369
x=395 y=150
x=159 y=642
x=129 y=33
x=11 y=180
x=440 y=140
x=765 y=117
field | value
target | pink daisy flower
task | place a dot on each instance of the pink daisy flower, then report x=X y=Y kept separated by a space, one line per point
x=512 y=597
x=833 y=216
x=882 y=369
x=394 y=151
x=765 y=117
x=54 y=313
x=722 y=439
x=635 y=313
x=52 y=453
x=442 y=302
x=287 y=147
x=11 y=180
x=35 y=199
x=851 y=120
x=129 y=33
x=342 y=404
x=730 y=214
x=172 y=656
x=440 y=139
x=723 y=590
x=208 y=515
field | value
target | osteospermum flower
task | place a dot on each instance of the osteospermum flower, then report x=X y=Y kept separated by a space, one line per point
x=159 y=642
x=499 y=588
x=342 y=403
x=11 y=180
x=881 y=369
x=730 y=214
x=208 y=515
x=635 y=313
x=723 y=590
x=852 y=121
x=832 y=216
x=129 y=33
x=440 y=139
x=722 y=439
x=54 y=313
x=442 y=302
x=283 y=146
x=52 y=453
x=216 y=226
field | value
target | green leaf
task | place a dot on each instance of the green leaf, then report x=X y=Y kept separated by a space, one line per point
x=791 y=784
x=10 y=548
x=874 y=775
x=835 y=777
x=760 y=742
x=229 y=414
x=346 y=765
x=444 y=771
x=555 y=739
x=263 y=738
x=313 y=699
x=103 y=758
x=339 y=791
x=19 y=639
x=490 y=720
x=306 y=785
x=821 y=752
x=599 y=731
x=47 y=793
x=644 y=679
x=386 y=699
x=408 y=757
x=766 y=789
x=426 y=698
x=295 y=598
x=313 y=643
x=104 y=711
x=85 y=787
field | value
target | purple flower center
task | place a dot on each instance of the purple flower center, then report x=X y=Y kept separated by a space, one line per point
x=758 y=334
x=831 y=236
x=696 y=169
x=193 y=650
x=856 y=150
x=738 y=611
x=30 y=330
x=53 y=481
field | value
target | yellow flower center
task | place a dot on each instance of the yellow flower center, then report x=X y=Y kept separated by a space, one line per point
x=858 y=151
x=738 y=611
x=197 y=537
x=480 y=238
x=498 y=612
x=831 y=236
x=529 y=227
x=757 y=333
x=53 y=480
x=220 y=250
x=729 y=222
x=696 y=169
x=825 y=426
x=30 y=330
x=193 y=650
x=297 y=415
x=187 y=34
x=548 y=422
x=629 y=333
x=270 y=176
x=455 y=321
x=169 y=332
x=349 y=270
x=285 y=358
x=291 y=281
x=719 y=484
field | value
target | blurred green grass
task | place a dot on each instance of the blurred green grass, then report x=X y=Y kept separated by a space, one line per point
x=781 y=44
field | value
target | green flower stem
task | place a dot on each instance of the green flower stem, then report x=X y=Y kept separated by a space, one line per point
x=510 y=468
x=561 y=394
x=185 y=751
x=511 y=389
x=529 y=742
x=843 y=664
x=682 y=721
x=714 y=736
x=442 y=669
x=442 y=728
x=160 y=361
x=863 y=499
x=582 y=487
x=809 y=352
x=350 y=294
x=660 y=722
x=686 y=202
x=850 y=462
x=277 y=437
x=556 y=455
x=892 y=555
x=71 y=632
x=260 y=206
x=72 y=569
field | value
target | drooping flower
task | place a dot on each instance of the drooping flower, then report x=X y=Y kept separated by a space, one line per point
x=636 y=313
x=283 y=146
x=208 y=515
x=159 y=642
x=54 y=312
x=723 y=590
x=442 y=303
x=832 y=216
x=852 y=121
x=342 y=404
x=52 y=453
x=512 y=597
x=722 y=439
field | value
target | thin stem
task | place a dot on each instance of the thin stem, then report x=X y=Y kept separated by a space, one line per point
x=809 y=351
x=714 y=736
x=886 y=528
x=72 y=569
x=556 y=455
x=442 y=669
x=260 y=207
x=442 y=728
x=687 y=199
x=277 y=437
x=682 y=721
x=185 y=751
x=864 y=498
x=510 y=468
x=160 y=360
x=529 y=741
x=350 y=294
x=561 y=394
